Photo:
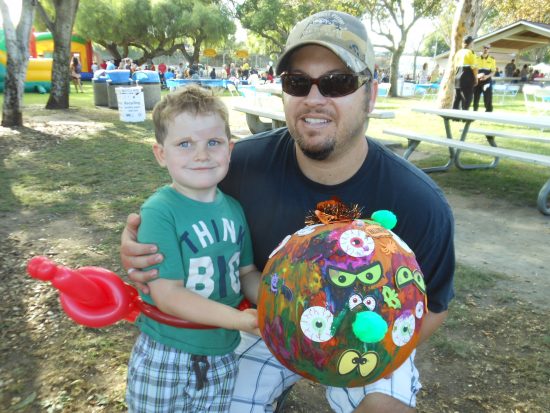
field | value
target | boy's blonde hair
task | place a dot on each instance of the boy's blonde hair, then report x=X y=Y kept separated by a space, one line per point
x=190 y=99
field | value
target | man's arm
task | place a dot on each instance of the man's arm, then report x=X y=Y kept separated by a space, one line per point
x=135 y=256
x=430 y=323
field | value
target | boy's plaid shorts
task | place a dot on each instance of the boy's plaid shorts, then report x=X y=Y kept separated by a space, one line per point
x=165 y=379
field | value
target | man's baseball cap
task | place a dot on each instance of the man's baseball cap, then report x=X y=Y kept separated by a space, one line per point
x=339 y=32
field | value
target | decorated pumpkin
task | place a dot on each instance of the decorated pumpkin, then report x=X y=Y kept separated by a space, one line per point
x=342 y=300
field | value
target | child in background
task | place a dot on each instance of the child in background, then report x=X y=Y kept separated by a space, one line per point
x=208 y=259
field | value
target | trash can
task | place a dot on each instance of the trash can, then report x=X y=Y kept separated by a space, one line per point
x=149 y=80
x=100 y=91
x=131 y=107
x=117 y=78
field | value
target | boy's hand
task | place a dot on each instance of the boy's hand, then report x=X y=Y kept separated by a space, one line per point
x=248 y=321
x=135 y=256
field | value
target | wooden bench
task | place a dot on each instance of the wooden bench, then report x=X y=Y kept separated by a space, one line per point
x=486 y=132
x=255 y=124
x=454 y=146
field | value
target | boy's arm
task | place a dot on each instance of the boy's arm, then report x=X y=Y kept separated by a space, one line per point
x=250 y=282
x=171 y=297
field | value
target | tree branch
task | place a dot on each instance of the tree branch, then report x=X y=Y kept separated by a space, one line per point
x=45 y=18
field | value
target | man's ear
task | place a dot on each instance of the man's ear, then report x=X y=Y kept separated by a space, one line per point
x=158 y=150
x=373 y=95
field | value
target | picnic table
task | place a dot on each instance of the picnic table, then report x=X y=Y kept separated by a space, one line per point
x=221 y=83
x=256 y=125
x=456 y=146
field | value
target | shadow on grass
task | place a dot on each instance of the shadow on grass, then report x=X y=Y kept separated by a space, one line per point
x=75 y=179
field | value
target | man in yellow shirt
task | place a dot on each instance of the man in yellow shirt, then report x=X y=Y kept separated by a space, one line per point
x=466 y=75
x=486 y=66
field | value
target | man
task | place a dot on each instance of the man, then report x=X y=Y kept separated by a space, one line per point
x=466 y=75
x=510 y=68
x=486 y=67
x=280 y=175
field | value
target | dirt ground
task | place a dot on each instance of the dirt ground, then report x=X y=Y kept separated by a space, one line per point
x=492 y=356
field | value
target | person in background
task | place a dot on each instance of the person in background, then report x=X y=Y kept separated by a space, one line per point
x=213 y=73
x=524 y=73
x=326 y=71
x=423 y=77
x=111 y=65
x=162 y=68
x=434 y=76
x=245 y=71
x=75 y=70
x=486 y=66
x=510 y=68
x=95 y=67
x=204 y=237
x=223 y=72
x=270 y=75
x=466 y=75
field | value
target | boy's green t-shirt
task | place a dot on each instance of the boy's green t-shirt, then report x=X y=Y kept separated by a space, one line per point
x=203 y=244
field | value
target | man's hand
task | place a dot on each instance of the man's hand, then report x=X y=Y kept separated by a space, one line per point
x=135 y=256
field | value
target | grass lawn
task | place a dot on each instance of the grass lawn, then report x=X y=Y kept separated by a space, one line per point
x=70 y=178
x=516 y=182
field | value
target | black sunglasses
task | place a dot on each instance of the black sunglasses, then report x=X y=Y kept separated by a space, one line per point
x=331 y=85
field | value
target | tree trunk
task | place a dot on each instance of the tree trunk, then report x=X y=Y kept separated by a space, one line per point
x=463 y=23
x=394 y=70
x=17 y=47
x=61 y=29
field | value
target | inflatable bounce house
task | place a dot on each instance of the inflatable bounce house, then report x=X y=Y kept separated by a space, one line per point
x=39 y=71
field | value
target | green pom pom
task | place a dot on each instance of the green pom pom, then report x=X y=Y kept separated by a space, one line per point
x=369 y=327
x=385 y=218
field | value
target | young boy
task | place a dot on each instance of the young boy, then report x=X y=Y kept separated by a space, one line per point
x=204 y=238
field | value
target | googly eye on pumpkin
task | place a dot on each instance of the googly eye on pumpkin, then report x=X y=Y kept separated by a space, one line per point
x=403 y=329
x=341 y=278
x=356 y=243
x=371 y=275
x=419 y=281
x=354 y=301
x=419 y=310
x=403 y=277
x=316 y=323
x=370 y=302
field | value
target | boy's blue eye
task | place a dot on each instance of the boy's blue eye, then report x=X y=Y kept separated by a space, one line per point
x=184 y=144
x=213 y=142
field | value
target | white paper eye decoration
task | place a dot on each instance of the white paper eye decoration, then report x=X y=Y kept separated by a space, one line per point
x=403 y=329
x=316 y=323
x=370 y=302
x=356 y=243
x=354 y=301
x=419 y=311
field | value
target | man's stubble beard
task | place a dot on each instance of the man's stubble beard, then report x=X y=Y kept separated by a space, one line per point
x=321 y=153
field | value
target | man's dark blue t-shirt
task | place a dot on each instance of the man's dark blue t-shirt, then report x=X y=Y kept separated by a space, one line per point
x=276 y=196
